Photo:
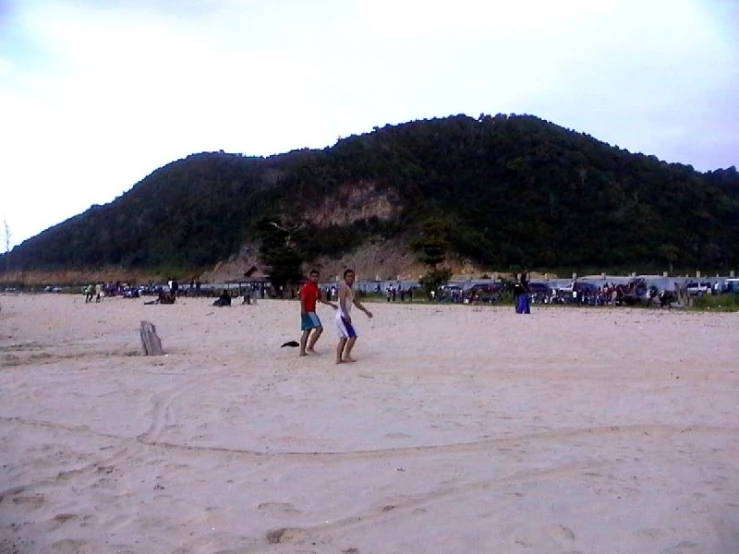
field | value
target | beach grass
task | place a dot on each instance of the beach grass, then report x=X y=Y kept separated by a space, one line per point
x=717 y=303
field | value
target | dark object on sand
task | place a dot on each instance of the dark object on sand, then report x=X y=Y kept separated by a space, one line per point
x=224 y=299
x=291 y=343
x=164 y=298
x=150 y=340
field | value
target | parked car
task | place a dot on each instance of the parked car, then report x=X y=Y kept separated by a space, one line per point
x=539 y=292
x=450 y=293
x=489 y=288
x=730 y=286
x=484 y=292
x=699 y=288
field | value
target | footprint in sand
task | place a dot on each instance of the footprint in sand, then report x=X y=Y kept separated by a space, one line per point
x=32 y=502
x=397 y=436
x=543 y=536
x=60 y=520
x=278 y=508
x=68 y=546
x=287 y=534
x=685 y=547
x=650 y=533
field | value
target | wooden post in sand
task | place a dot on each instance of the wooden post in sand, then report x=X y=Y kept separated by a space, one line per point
x=150 y=340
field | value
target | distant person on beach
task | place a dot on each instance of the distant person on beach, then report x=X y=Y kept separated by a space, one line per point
x=98 y=292
x=344 y=326
x=223 y=300
x=162 y=298
x=247 y=296
x=310 y=324
x=521 y=295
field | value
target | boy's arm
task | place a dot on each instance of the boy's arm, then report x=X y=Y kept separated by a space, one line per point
x=322 y=301
x=359 y=306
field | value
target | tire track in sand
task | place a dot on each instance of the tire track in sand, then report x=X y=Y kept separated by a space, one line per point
x=159 y=419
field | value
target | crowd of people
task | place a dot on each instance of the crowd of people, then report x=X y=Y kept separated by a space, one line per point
x=343 y=296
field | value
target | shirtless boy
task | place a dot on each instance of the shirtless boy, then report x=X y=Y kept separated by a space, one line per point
x=344 y=326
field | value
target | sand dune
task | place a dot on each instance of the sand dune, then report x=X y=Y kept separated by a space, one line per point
x=459 y=430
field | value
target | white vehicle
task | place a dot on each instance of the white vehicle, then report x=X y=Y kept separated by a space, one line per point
x=699 y=289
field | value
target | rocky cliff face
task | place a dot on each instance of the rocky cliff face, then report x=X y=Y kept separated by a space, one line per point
x=375 y=260
x=364 y=200
x=355 y=202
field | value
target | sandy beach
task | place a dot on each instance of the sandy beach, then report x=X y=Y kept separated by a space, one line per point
x=459 y=430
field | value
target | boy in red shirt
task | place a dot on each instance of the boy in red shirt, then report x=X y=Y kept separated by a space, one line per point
x=311 y=326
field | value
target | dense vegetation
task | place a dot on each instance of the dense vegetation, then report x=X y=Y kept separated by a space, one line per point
x=510 y=191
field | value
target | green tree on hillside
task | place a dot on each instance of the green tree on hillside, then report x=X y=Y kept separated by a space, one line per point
x=432 y=248
x=432 y=245
x=278 y=251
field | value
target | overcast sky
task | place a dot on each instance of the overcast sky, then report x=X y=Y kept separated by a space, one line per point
x=97 y=94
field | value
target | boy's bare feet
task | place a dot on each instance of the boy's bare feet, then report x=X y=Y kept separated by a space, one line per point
x=349 y=359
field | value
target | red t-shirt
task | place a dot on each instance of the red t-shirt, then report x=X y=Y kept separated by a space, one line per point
x=309 y=296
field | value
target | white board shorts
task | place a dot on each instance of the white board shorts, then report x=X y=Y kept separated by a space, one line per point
x=344 y=329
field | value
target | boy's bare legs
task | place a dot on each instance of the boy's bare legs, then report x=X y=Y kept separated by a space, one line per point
x=314 y=337
x=304 y=341
x=348 y=350
x=340 y=350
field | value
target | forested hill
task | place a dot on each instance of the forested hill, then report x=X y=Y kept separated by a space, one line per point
x=508 y=190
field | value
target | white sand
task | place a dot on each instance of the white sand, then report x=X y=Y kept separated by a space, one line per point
x=458 y=430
